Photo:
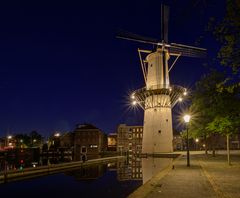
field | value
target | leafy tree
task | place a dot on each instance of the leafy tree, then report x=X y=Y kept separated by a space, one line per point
x=227 y=119
x=22 y=140
x=216 y=107
x=215 y=101
x=204 y=107
x=227 y=33
x=36 y=138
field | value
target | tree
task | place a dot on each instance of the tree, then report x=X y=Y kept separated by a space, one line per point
x=36 y=138
x=216 y=104
x=204 y=107
x=215 y=100
x=225 y=125
x=227 y=33
x=22 y=140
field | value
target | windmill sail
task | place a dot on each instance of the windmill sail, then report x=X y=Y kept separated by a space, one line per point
x=173 y=48
x=135 y=37
x=164 y=23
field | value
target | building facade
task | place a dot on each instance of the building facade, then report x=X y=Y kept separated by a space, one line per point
x=88 y=139
x=112 y=142
x=129 y=139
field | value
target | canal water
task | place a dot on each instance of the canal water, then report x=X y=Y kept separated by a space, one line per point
x=117 y=179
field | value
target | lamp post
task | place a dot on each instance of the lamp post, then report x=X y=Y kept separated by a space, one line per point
x=196 y=142
x=186 y=120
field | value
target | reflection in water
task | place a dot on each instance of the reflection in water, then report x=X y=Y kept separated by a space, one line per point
x=130 y=170
x=135 y=168
x=88 y=173
x=26 y=161
x=142 y=169
x=122 y=177
x=151 y=166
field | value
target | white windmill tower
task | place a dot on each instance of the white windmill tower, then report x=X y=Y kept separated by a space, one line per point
x=158 y=97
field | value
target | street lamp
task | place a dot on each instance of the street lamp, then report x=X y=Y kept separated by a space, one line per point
x=196 y=141
x=9 y=137
x=186 y=120
x=7 y=140
x=57 y=134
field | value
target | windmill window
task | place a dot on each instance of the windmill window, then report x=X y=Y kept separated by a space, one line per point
x=159 y=131
x=151 y=65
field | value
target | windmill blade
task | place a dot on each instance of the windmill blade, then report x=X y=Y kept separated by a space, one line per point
x=164 y=23
x=135 y=37
x=188 y=46
x=189 y=51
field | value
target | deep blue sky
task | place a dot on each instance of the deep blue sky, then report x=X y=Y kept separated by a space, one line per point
x=60 y=64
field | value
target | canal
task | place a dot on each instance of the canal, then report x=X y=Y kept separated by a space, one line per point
x=116 y=179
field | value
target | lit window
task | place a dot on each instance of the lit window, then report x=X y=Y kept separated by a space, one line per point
x=93 y=146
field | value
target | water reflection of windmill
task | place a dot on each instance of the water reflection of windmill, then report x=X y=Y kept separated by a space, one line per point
x=158 y=97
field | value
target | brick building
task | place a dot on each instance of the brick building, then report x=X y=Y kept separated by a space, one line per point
x=129 y=139
x=88 y=139
x=112 y=142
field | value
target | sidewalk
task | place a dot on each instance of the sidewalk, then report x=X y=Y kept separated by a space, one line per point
x=184 y=182
x=224 y=179
x=206 y=177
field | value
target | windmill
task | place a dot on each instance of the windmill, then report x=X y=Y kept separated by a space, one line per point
x=158 y=97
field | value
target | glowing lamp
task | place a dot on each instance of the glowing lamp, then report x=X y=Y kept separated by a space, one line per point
x=187 y=118
x=134 y=102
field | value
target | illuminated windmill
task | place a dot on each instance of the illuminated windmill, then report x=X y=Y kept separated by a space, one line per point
x=158 y=97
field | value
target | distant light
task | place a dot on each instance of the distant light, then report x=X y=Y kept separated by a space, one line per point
x=57 y=134
x=170 y=89
x=203 y=145
x=185 y=93
x=187 y=118
x=132 y=96
x=197 y=140
x=34 y=165
x=134 y=102
x=34 y=140
x=180 y=99
x=9 y=137
x=10 y=144
x=21 y=140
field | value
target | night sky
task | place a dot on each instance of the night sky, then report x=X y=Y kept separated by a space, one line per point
x=61 y=63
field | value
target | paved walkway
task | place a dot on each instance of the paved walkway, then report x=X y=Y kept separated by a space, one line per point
x=206 y=177
x=184 y=182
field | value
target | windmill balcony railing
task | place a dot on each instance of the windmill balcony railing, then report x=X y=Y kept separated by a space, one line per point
x=174 y=92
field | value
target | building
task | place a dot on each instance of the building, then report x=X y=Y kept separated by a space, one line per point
x=129 y=139
x=130 y=142
x=2 y=143
x=7 y=143
x=112 y=142
x=88 y=139
x=67 y=140
x=178 y=142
